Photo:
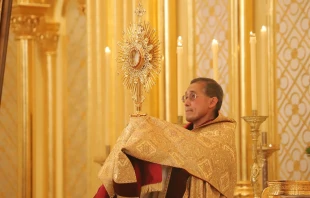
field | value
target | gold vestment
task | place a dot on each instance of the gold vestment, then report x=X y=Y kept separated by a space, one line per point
x=207 y=153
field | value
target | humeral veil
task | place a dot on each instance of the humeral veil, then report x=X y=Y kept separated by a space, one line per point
x=151 y=152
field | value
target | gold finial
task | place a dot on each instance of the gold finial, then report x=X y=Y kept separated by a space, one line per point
x=139 y=58
x=140 y=11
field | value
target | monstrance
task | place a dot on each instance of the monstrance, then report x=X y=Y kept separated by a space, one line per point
x=139 y=59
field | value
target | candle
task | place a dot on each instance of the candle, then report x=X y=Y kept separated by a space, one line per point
x=107 y=86
x=263 y=45
x=264 y=81
x=180 y=75
x=215 y=50
x=253 y=70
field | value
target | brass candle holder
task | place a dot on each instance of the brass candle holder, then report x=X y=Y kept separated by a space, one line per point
x=267 y=150
x=255 y=121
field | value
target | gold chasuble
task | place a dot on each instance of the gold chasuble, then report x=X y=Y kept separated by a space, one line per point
x=207 y=154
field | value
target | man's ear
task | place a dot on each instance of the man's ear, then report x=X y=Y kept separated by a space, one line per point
x=213 y=101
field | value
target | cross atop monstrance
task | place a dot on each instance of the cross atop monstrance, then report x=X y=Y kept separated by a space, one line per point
x=139 y=59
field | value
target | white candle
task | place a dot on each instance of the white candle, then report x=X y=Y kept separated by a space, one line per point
x=215 y=50
x=180 y=75
x=107 y=85
x=253 y=70
x=263 y=45
x=264 y=81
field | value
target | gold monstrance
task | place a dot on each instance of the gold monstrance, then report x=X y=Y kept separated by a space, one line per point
x=139 y=59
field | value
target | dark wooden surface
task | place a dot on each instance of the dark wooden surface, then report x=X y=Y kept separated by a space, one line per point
x=6 y=9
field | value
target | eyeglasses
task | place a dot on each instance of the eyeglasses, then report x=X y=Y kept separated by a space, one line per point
x=192 y=96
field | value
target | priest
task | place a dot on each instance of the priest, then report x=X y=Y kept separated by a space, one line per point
x=155 y=158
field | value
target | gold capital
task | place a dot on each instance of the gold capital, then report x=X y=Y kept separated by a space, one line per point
x=48 y=37
x=26 y=18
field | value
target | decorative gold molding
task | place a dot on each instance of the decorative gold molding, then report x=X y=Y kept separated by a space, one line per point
x=24 y=25
x=287 y=188
x=48 y=37
x=26 y=18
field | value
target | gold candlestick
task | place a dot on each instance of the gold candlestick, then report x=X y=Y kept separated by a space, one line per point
x=255 y=122
x=267 y=151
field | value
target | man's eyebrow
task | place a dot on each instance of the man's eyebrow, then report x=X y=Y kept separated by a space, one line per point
x=190 y=92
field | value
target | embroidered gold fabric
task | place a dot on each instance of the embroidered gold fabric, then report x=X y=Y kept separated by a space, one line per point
x=207 y=153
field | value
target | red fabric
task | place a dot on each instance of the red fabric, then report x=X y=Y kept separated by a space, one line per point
x=146 y=173
x=102 y=193
x=177 y=183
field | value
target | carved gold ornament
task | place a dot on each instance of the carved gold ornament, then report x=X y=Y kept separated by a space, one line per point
x=287 y=188
x=139 y=58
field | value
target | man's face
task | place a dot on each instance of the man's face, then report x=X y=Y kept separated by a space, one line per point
x=200 y=109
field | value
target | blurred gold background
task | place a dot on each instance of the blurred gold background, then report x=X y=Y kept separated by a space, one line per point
x=63 y=102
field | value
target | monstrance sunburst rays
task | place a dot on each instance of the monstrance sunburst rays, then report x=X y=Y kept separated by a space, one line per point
x=139 y=58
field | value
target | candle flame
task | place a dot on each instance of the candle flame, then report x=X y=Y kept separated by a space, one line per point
x=264 y=29
x=214 y=41
x=107 y=50
x=180 y=42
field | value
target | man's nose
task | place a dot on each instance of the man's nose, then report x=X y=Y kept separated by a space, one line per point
x=186 y=101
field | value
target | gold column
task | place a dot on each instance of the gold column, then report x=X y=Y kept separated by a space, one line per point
x=161 y=79
x=170 y=41
x=99 y=79
x=108 y=102
x=273 y=136
x=190 y=69
x=151 y=100
x=127 y=20
x=24 y=21
x=92 y=65
x=110 y=72
x=60 y=110
x=245 y=20
x=182 y=30
x=117 y=28
x=48 y=40
x=186 y=29
x=246 y=26
x=234 y=74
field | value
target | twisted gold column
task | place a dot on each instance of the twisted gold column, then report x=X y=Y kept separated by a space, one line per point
x=48 y=40
x=25 y=19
